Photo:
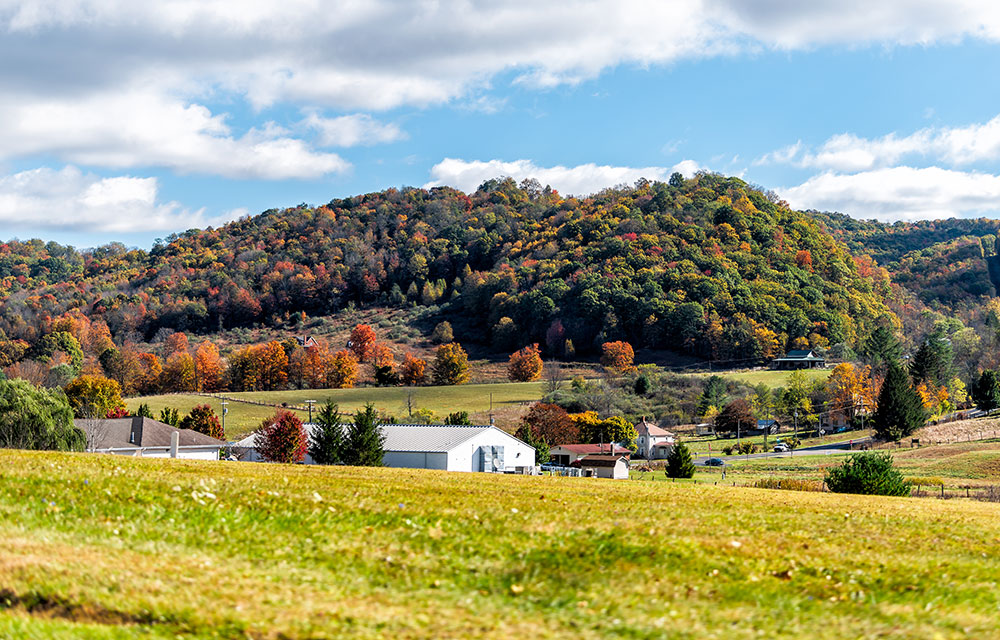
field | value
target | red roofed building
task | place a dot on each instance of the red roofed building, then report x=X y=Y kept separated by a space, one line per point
x=567 y=454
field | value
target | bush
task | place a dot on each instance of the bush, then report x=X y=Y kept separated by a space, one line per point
x=870 y=474
x=728 y=450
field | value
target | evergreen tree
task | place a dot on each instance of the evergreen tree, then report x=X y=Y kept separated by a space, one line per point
x=679 y=463
x=526 y=435
x=933 y=360
x=458 y=418
x=713 y=395
x=326 y=444
x=881 y=347
x=986 y=390
x=365 y=444
x=900 y=411
x=870 y=474
x=144 y=411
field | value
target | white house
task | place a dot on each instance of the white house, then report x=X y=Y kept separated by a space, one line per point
x=566 y=454
x=653 y=442
x=613 y=467
x=147 y=438
x=437 y=446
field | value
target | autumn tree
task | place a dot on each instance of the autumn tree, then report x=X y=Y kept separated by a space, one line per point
x=735 y=417
x=342 y=370
x=383 y=362
x=412 y=371
x=282 y=438
x=150 y=370
x=123 y=366
x=179 y=373
x=525 y=364
x=451 y=365
x=443 y=333
x=851 y=390
x=208 y=367
x=617 y=357
x=203 y=420
x=362 y=342
x=594 y=429
x=177 y=342
x=93 y=396
x=551 y=424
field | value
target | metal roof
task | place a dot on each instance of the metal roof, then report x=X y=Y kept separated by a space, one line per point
x=423 y=438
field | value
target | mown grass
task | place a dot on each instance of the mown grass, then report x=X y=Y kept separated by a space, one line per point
x=704 y=445
x=243 y=418
x=106 y=547
x=770 y=377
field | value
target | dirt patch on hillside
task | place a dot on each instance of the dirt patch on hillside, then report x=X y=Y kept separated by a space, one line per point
x=960 y=431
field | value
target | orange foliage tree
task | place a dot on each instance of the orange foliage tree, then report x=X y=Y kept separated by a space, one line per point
x=342 y=370
x=382 y=355
x=208 y=367
x=850 y=389
x=177 y=343
x=150 y=370
x=179 y=374
x=525 y=364
x=412 y=371
x=363 y=342
x=617 y=357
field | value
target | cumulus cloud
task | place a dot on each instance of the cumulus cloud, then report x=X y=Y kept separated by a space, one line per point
x=900 y=193
x=352 y=130
x=143 y=128
x=380 y=54
x=70 y=199
x=583 y=179
x=847 y=152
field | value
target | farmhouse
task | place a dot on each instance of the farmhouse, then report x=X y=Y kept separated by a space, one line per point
x=614 y=467
x=654 y=443
x=445 y=447
x=566 y=454
x=799 y=359
x=145 y=437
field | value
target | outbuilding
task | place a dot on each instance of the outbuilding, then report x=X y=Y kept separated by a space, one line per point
x=436 y=446
x=613 y=467
x=566 y=454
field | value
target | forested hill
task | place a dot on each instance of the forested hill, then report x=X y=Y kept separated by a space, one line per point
x=707 y=265
x=950 y=265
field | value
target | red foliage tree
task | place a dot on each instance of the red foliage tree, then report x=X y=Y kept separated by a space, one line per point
x=413 y=370
x=203 y=420
x=525 y=365
x=551 y=424
x=282 y=438
x=363 y=342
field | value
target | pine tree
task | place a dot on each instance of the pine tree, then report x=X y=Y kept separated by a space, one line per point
x=986 y=390
x=900 y=411
x=881 y=347
x=679 y=463
x=365 y=444
x=326 y=444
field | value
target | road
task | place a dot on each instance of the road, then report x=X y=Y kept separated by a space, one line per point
x=818 y=450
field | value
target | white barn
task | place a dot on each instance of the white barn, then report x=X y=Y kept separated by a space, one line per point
x=437 y=446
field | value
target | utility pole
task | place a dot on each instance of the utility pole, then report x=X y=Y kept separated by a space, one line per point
x=491 y=408
x=225 y=410
x=310 y=404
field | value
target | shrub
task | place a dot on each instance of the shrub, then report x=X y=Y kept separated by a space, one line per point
x=203 y=420
x=728 y=450
x=868 y=473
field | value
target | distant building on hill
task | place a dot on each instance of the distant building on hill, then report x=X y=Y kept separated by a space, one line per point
x=799 y=359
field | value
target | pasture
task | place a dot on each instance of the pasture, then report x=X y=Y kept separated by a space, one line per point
x=95 y=546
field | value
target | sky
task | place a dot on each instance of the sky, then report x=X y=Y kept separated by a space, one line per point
x=128 y=121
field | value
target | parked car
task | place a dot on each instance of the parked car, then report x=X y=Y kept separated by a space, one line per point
x=781 y=447
x=715 y=462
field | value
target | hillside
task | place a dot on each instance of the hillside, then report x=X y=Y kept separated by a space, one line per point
x=707 y=266
x=112 y=547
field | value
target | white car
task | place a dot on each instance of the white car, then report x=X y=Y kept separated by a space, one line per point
x=781 y=447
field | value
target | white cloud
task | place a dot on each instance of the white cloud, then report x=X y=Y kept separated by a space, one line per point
x=380 y=54
x=899 y=193
x=954 y=146
x=582 y=179
x=141 y=128
x=70 y=199
x=352 y=130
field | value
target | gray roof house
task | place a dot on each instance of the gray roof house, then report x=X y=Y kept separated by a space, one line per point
x=437 y=446
x=145 y=437
x=799 y=359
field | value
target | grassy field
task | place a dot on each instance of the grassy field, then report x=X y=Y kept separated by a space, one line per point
x=706 y=444
x=509 y=399
x=771 y=378
x=107 y=547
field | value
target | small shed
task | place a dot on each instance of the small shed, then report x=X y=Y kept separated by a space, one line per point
x=614 y=467
x=799 y=359
x=566 y=454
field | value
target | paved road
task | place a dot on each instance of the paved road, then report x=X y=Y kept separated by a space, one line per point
x=818 y=450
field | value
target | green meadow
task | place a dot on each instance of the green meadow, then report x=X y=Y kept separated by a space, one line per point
x=95 y=546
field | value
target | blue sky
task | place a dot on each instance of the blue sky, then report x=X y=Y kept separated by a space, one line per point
x=124 y=121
